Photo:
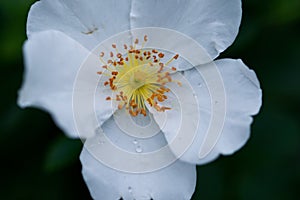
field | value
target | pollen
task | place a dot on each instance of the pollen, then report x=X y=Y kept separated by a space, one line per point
x=137 y=77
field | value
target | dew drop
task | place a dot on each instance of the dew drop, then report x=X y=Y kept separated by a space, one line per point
x=135 y=142
x=101 y=141
x=139 y=149
x=130 y=189
x=199 y=85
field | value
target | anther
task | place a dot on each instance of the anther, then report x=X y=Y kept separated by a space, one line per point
x=161 y=55
x=119 y=55
x=141 y=68
x=145 y=38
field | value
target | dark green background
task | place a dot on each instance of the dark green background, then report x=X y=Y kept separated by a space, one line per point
x=39 y=162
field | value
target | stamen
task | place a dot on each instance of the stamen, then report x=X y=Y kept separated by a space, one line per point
x=137 y=78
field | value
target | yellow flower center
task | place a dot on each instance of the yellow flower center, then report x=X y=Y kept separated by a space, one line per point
x=138 y=77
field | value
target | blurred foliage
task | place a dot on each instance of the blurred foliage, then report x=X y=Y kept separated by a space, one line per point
x=39 y=162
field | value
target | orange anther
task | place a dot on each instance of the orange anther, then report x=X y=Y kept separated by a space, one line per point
x=133 y=113
x=119 y=55
x=120 y=106
x=165 y=108
x=150 y=102
x=145 y=38
x=114 y=87
x=143 y=112
x=160 y=98
x=161 y=55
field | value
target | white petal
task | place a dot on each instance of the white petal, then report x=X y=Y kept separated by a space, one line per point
x=243 y=99
x=180 y=124
x=87 y=22
x=213 y=23
x=175 y=181
x=52 y=61
x=242 y=87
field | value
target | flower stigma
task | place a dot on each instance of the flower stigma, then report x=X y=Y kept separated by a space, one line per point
x=138 y=77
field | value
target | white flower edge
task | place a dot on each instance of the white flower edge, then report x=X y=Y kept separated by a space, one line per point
x=243 y=100
x=89 y=23
x=213 y=24
x=52 y=61
x=174 y=181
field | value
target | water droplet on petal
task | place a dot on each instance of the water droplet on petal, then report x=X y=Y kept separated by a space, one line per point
x=139 y=149
x=199 y=85
x=130 y=189
x=135 y=142
x=100 y=141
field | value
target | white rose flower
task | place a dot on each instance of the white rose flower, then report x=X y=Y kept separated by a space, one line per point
x=147 y=115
